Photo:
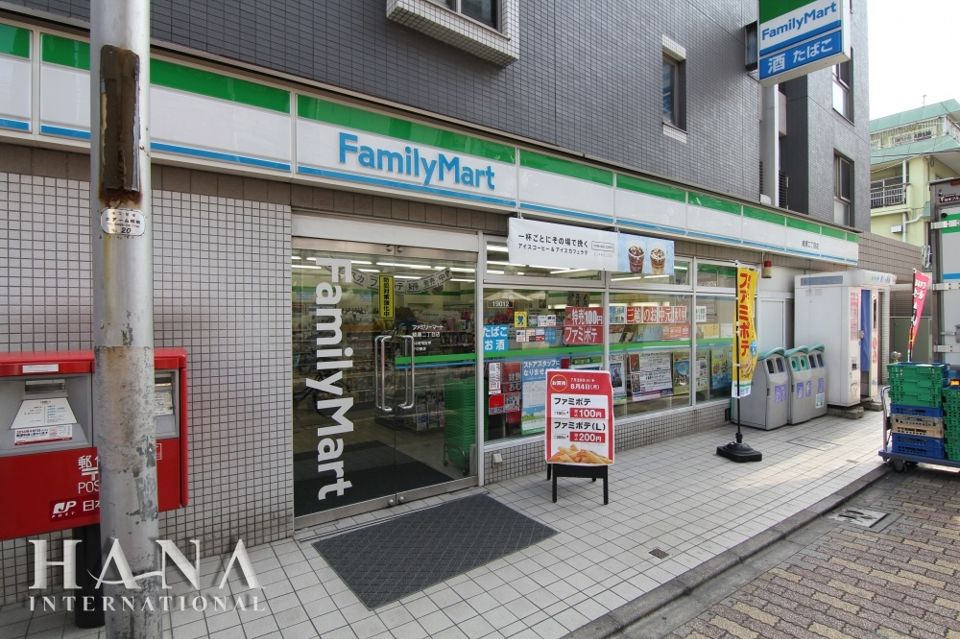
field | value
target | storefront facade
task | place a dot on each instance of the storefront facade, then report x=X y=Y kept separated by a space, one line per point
x=343 y=273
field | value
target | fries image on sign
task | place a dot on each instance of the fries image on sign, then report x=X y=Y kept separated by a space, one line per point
x=573 y=455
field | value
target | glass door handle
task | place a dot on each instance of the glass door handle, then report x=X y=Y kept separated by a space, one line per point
x=380 y=373
x=410 y=382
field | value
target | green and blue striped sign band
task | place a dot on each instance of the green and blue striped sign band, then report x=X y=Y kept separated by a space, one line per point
x=76 y=55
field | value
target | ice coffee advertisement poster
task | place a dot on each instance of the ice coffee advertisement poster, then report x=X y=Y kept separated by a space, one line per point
x=644 y=255
x=579 y=417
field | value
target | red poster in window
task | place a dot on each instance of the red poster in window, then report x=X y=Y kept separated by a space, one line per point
x=583 y=325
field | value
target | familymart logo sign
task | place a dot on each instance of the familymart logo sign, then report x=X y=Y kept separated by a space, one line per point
x=116 y=563
x=796 y=37
x=454 y=165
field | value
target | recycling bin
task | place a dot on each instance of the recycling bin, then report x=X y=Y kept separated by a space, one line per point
x=801 y=404
x=766 y=406
x=818 y=371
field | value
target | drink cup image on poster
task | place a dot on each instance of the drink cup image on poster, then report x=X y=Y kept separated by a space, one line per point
x=580 y=426
x=646 y=255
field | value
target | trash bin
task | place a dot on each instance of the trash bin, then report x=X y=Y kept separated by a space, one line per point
x=801 y=386
x=818 y=371
x=766 y=405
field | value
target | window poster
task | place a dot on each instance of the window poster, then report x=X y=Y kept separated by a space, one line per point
x=651 y=375
x=533 y=375
x=583 y=325
x=681 y=372
x=618 y=314
x=720 y=368
x=703 y=371
x=618 y=379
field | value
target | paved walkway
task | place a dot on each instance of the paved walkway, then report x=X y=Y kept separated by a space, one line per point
x=898 y=579
x=673 y=506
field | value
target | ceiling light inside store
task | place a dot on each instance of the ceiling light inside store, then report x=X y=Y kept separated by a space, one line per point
x=626 y=279
x=406 y=277
x=295 y=257
x=369 y=270
x=490 y=271
x=308 y=267
x=500 y=263
x=459 y=279
x=497 y=248
x=456 y=269
x=570 y=270
x=360 y=262
x=414 y=267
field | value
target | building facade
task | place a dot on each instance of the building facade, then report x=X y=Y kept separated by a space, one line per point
x=334 y=186
x=909 y=150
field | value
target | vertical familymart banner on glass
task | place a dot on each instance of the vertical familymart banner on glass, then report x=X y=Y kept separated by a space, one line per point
x=745 y=344
x=797 y=37
x=574 y=247
x=579 y=417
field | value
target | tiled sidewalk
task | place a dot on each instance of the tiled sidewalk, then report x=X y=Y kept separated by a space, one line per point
x=675 y=498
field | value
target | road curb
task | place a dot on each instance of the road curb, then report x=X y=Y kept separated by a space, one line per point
x=649 y=603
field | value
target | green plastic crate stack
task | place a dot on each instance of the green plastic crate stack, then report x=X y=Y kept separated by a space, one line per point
x=951 y=422
x=916 y=384
x=460 y=431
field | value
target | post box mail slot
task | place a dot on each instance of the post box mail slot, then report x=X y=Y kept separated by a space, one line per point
x=48 y=434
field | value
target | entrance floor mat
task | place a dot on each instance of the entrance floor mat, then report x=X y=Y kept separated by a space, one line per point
x=390 y=560
x=375 y=470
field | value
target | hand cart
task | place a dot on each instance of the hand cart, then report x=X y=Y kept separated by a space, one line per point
x=901 y=461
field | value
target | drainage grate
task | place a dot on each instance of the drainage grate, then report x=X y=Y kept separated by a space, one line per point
x=865 y=518
x=659 y=554
x=816 y=444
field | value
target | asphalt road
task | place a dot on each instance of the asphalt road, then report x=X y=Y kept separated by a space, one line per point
x=899 y=577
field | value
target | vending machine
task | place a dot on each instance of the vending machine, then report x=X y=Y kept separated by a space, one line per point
x=844 y=312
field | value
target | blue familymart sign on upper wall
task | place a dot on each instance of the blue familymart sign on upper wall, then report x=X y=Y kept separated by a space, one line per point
x=210 y=117
x=796 y=37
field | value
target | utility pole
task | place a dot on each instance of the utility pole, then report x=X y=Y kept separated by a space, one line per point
x=123 y=382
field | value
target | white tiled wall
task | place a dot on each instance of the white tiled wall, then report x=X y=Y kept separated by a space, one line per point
x=222 y=291
x=528 y=457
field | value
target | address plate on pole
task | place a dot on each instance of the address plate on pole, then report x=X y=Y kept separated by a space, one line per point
x=122 y=222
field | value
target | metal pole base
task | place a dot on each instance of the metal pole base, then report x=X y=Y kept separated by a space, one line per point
x=739 y=452
x=89 y=608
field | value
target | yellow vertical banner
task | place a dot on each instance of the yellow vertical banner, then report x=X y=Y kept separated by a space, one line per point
x=385 y=287
x=745 y=339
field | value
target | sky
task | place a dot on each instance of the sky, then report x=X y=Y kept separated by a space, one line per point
x=914 y=51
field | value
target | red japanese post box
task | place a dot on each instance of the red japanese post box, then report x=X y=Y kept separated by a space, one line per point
x=48 y=458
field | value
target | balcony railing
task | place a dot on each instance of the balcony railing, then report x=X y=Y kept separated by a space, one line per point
x=890 y=192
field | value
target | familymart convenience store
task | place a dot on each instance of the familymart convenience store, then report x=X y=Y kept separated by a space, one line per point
x=420 y=359
x=419 y=348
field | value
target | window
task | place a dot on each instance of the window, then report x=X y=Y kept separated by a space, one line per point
x=649 y=351
x=526 y=333
x=673 y=92
x=484 y=11
x=842 y=190
x=843 y=89
x=489 y=29
x=713 y=370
